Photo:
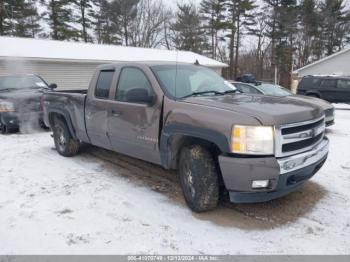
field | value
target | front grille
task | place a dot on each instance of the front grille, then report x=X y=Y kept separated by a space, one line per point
x=296 y=129
x=304 y=143
x=299 y=137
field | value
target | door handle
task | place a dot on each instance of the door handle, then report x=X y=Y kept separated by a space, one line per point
x=116 y=113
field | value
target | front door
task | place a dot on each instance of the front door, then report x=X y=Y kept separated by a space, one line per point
x=133 y=126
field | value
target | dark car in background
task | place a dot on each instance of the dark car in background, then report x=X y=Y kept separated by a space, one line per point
x=20 y=101
x=334 y=89
x=277 y=90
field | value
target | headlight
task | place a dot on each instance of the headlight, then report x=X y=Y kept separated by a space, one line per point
x=6 y=107
x=252 y=140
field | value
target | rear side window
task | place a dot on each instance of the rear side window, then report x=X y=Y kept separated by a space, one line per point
x=103 y=85
x=309 y=83
x=344 y=84
x=329 y=83
x=131 y=78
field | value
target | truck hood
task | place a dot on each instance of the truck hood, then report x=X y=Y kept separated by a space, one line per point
x=23 y=100
x=268 y=110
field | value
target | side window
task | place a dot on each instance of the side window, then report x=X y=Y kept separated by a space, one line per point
x=131 y=78
x=329 y=83
x=344 y=84
x=310 y=82
x=103 y=85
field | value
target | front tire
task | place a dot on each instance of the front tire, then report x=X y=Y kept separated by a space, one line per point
x=64 y=142
x=4 y=130
x=199 y=178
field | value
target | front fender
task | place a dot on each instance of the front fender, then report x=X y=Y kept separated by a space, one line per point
x=186 y=130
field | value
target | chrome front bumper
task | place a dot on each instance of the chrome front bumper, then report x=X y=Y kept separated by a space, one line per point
x=302 y=160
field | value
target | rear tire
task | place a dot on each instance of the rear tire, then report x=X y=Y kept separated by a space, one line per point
x=65 y=144
x=199 y=178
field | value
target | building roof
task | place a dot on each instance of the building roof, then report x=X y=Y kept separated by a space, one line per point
x=323 y=60
x=39 y=49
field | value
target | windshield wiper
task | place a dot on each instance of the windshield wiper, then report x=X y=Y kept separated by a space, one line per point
x=203 y=93
x=212 y=92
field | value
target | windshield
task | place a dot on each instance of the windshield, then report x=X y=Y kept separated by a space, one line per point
x=274 y=90
x=183 y=80
x=21 y=82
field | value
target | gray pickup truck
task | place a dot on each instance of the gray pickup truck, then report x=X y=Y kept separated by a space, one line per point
x=188 y=118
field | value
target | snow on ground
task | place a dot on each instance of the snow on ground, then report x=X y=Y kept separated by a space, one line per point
x=103 y=203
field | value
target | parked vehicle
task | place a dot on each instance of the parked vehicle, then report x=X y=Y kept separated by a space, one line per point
x=186 y=117
x=247 y=78
x=20 y=101
x=334 y=89
x=277 y=90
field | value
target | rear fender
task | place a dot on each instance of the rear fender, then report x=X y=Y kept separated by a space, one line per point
x=65 y=115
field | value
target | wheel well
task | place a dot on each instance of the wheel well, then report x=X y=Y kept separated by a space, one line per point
x=177 y=142
x=53 y=116
x=314 y=94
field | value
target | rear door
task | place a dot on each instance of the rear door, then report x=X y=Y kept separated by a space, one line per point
x=134 y=127
x=97 y=108
x=328 y=89
x=343 y=90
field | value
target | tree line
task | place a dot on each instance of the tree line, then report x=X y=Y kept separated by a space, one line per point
x=267 y=38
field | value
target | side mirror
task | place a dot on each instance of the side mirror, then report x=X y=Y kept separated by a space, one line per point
x=139 y=95
x=53 y=86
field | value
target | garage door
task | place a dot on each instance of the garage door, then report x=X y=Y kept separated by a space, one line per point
x=66 y=75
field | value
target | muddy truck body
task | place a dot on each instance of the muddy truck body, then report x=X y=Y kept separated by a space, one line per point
x=186 y=117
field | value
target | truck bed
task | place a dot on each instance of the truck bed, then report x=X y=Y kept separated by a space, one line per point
x=71 y=103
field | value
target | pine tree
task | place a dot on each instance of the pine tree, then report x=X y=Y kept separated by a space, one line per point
x=282 y=26
x=335 y=21
x=19 y=18
x=84 y=19
x=107 y=31
x=188 y=31
x=238 y=17
x=123 y=14
x=59 y=16
x=258 y=29
x=6 y=17
x=308 y=31
x=213 y=14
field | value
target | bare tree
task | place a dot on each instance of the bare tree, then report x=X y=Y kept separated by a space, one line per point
x=146 y=30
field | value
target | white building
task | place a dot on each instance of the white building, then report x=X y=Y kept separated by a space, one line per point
x=336 y=64
x=71 y=64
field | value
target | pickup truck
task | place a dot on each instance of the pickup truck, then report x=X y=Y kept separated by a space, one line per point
x=187 y=118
